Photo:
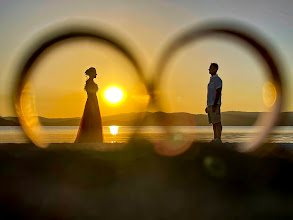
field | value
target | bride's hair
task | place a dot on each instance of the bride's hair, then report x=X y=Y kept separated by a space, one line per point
x=90 y=71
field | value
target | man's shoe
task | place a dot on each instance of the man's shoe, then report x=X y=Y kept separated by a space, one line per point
x=212 y=141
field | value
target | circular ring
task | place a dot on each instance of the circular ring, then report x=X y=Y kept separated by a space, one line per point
x=238 y=31
x=59 y=32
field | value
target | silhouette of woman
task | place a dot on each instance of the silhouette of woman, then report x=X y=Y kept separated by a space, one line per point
x=90 y=128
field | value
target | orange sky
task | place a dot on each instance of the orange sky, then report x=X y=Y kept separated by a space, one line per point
x=58 y=80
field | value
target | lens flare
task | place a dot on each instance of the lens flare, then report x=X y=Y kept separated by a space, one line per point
x=269 y=94
x=114 y=94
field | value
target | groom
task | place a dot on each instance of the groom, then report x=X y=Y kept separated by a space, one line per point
x=214 y=102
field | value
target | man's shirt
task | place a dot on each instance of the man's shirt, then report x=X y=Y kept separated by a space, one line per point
x=214 y=84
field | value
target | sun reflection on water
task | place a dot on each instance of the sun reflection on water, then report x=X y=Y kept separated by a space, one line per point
x=114 y=129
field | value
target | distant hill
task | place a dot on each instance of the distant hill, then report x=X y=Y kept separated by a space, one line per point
x=230 y=118
x=59 y=121
x=7 y=122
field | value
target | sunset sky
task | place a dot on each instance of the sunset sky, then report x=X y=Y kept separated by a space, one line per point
x=58 y=79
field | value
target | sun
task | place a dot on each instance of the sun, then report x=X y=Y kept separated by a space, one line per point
x=113 y=94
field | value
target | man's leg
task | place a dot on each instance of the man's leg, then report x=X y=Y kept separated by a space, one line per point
x=219 y=130
x=219 y=124
x=215 y=131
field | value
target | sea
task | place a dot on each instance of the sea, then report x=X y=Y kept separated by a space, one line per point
x=121 y=134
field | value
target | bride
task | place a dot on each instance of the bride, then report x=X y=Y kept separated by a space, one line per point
x=90 y=128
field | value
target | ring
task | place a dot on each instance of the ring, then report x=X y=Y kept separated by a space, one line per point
x=23 y=102
x=238 y=31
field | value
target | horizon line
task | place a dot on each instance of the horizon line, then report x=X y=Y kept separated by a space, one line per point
x=150 y=112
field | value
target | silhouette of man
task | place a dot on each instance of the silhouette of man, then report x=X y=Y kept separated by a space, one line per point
x=214 y=102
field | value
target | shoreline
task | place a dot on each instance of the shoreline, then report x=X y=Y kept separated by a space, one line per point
x=121 y=146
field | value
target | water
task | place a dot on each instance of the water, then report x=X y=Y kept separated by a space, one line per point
x=67 y=134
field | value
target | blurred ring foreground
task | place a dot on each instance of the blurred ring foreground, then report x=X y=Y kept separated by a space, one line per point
x=237 y=31
x=23 y=103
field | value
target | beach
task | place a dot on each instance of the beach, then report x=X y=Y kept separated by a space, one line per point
x=110 y=181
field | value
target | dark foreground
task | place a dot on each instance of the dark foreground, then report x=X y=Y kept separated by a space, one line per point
x=206 y=182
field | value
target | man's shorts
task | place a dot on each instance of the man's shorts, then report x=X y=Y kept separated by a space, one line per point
x=214 y=117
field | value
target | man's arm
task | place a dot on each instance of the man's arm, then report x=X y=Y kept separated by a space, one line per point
x=218 y=94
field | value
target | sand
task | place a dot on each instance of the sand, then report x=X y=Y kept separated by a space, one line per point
x=113 y=181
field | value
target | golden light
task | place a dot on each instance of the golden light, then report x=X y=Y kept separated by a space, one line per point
x=114 y=129
x=269 y=94
x=113 y=94
x=143 y=99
